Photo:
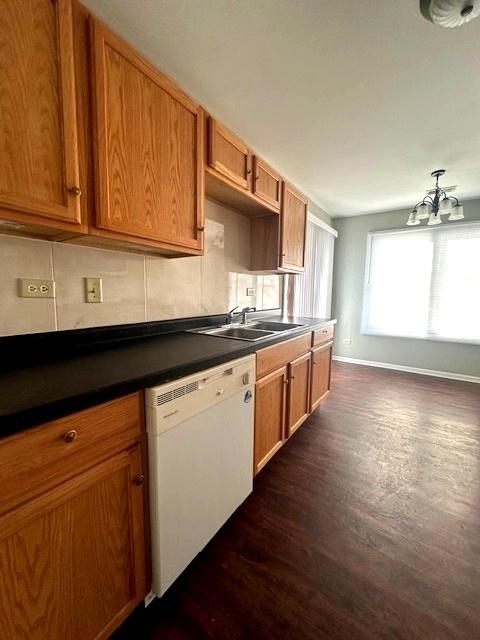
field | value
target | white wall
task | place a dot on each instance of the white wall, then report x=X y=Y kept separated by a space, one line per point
x=136 y=288
x=348 y=281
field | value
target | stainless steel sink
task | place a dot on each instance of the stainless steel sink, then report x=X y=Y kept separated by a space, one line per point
x=237 y=333
x=242 y=333
x=274 y=326
x=251 y=332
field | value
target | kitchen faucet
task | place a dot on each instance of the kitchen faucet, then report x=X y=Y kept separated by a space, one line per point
x=231 y=314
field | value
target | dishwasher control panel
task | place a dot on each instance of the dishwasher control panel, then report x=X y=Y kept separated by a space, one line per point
x=170 y=404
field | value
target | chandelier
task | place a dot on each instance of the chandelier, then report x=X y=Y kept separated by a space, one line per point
x=436 y=204
x=450 y=13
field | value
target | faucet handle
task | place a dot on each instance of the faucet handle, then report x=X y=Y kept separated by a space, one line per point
x=232 y=310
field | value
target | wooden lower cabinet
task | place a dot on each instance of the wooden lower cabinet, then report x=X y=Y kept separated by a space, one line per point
x=270 y=410
x=298 y=393
x=286 y=396
x=73 y=558
x=321 y=370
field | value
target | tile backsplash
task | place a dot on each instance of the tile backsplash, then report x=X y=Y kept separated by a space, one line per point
x=136 y=288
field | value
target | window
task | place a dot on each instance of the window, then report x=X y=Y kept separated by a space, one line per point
x=313 y=288
x=424 y=283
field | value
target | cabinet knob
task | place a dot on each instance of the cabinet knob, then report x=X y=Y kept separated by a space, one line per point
x=257 y=177
x=75 y=191
x=249 y=171
x=283 y=255
x=200 y=228
x=70 y=436
x=139 y=479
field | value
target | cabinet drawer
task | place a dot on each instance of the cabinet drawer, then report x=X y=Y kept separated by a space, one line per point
x=40 y=458
x=322 y=335
x=274 y=357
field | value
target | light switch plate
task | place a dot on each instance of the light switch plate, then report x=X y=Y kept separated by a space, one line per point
x=28 y=288
x=93 y=290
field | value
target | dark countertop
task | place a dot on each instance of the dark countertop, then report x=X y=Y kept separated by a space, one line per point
x=41 y=392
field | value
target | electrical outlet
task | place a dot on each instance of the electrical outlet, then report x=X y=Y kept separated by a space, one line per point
x=93 y=290
x=250 y=291
x=347 y=341
x=28 y=288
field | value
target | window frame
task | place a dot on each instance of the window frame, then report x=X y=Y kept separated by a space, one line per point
x=368 y=261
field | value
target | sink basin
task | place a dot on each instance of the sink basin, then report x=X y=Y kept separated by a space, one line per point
x=252 y=331
x=274 y=326
x=240 y=333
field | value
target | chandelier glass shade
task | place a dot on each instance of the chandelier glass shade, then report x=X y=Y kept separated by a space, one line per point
x=435 y=205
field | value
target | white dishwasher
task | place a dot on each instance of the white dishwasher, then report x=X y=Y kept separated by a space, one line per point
x=200 y=454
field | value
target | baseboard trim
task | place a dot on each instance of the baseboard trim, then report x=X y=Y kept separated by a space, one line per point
x=422 y=372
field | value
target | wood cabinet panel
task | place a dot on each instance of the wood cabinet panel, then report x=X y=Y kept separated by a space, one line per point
x=149 y=151
x=270 y=406
x=267 y=183
x=228 y=155
x=320 y=336
x=40 y=458
x=73 y=560
x=298 y=392
x=271 y=358
x=38 y=135
x=321 y=371
x=293 y=229
x=264 y=243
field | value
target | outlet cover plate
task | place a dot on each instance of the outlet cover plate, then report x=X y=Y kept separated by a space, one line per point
x=28 y=288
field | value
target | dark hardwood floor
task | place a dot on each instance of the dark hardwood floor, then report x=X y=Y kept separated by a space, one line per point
x=365 y=525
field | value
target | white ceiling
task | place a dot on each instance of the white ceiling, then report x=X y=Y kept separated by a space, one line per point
x=354 y=101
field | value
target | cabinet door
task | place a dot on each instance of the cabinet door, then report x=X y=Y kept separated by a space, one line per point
x=38 y=136
x=267 y=183
x=149 y=148
x=293 y=227
x=270 y=404
x=298 y=392
x=321 y=368
x=73 y=559
x=228 y=155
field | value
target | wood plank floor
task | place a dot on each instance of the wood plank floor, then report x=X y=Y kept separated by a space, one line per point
x=365 y=525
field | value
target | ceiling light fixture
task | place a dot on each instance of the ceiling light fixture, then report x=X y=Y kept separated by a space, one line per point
x=436 y=204
x=450 y=13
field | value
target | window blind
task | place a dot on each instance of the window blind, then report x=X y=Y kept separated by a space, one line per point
x=313 y=288
x=424 y=283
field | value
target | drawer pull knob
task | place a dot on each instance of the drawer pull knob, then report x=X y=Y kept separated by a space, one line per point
x=70 y=436
x=139 y=479
x=75 y=191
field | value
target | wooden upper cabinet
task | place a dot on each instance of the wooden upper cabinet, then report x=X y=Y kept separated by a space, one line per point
x=39 y=175
x=149 y=149
x=267 y=183
x=228 y=155
x=298 y=393
x=292 y=229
